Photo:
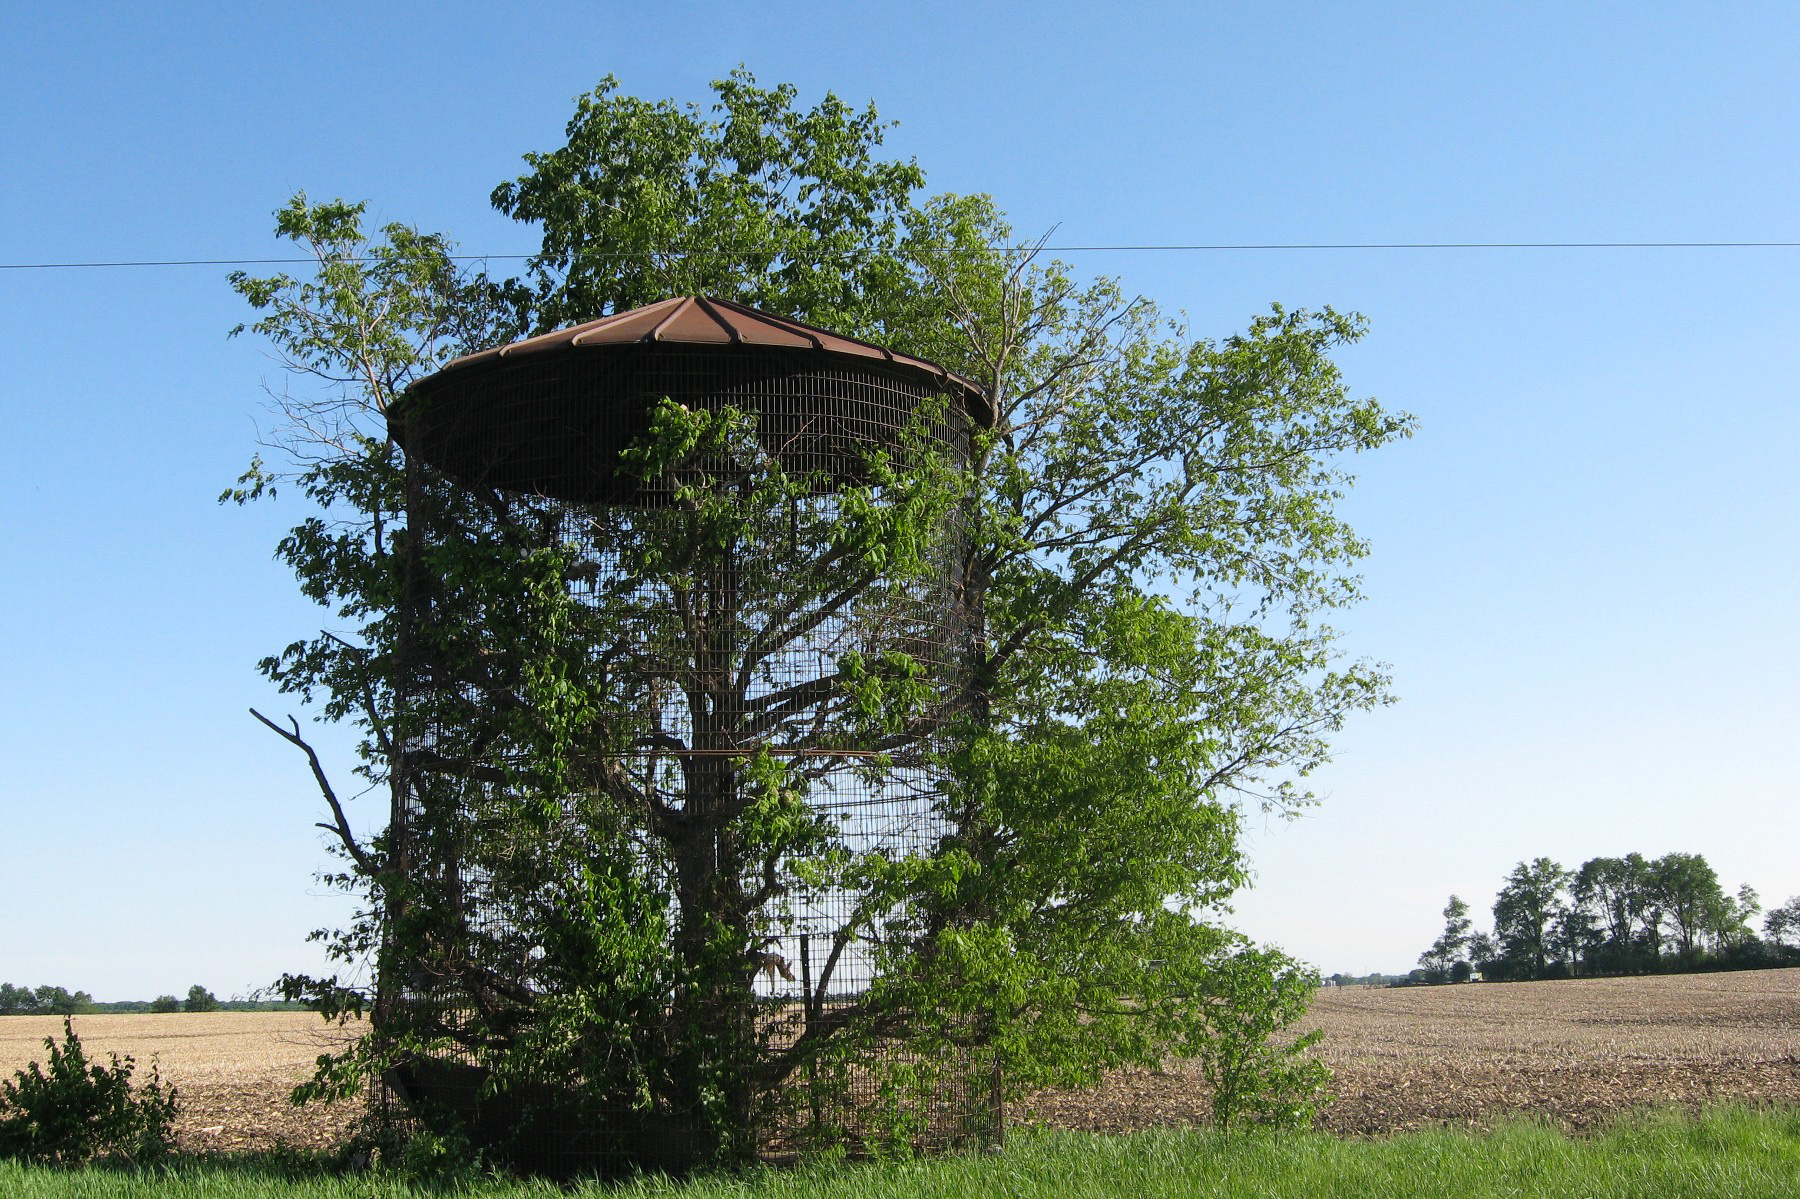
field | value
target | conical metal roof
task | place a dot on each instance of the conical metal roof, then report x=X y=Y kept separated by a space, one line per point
x=708 y=321
x=552 y=414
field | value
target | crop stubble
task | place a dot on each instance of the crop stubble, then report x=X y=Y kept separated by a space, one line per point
x=1404 y=1058
x=232 y=1070
x=1571 y=1051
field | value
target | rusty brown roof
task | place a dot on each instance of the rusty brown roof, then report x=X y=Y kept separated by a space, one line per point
x=704 y=320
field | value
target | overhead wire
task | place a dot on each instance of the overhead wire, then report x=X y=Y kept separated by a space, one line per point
x=1168 y=248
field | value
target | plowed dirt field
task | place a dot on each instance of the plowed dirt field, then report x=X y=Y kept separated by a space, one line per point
x=1405 y=1058
x=1571 y=1051
x=232 y=1070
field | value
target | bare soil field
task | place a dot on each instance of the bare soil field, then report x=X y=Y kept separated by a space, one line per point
x=232 y=1070
x=1574 y=1052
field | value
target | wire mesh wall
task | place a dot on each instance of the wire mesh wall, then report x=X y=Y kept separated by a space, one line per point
x=668 y=724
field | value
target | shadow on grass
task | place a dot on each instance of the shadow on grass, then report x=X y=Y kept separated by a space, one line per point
x=1725 y=1152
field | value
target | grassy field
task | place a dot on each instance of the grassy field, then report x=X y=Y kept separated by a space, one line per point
x=1570 y=1053
x=1729 y=1153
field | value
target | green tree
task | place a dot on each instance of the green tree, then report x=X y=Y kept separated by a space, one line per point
x=1739 y=916
x=785 y=209
x=59 y=1001
x=1687 y=892
x=1616 y=894
x=1152 y=546
x=165 y=1003
x=1452 y=944
x=1525 y=915
x=1782 y=924
x=1572 y=937
x=199 y=999
x=1482 y=951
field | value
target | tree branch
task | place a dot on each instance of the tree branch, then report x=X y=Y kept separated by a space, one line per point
x=341 y=824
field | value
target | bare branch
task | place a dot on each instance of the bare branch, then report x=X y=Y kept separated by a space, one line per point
x=341 y=824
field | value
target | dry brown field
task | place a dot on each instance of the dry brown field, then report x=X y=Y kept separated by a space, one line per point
x=1573 y=1052
x=232 y=1070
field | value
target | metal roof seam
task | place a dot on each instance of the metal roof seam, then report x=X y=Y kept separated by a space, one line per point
x=676 y=307
x=699 y=320
x=804 y=332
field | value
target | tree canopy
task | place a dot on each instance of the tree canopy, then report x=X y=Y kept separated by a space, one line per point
x=1616 y=915
x=1150 y=547
x=1448 y=956
x=199 y=999
x=43 y=1001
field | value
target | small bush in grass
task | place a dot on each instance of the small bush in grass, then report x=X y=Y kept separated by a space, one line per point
x=1255 y=1075
x=78 y=1112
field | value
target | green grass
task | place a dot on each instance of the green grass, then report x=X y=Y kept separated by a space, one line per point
x=1729 y=1152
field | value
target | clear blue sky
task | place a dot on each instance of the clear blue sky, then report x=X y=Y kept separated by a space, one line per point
x=1584 y=568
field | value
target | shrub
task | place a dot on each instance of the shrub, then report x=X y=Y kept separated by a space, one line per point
x=1257 y=1073
x=79 y=1112
x=165 y=1003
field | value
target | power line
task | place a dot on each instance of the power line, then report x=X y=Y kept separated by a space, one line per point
x=1069 y=249
x=1465 y=245
x=71 y=266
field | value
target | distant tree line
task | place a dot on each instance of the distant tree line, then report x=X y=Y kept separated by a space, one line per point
x=1629 y=915
x=60 y=1001
x=43 y=1001
x=1376 y=979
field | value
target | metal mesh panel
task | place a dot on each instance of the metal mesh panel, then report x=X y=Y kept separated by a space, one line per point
x=764 y=731
x=556 y=426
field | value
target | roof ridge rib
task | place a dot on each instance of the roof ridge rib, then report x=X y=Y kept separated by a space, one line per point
x=676 y=305
x=758 y=316
x=812 y=333
x=680 y=320
x=709 y=306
